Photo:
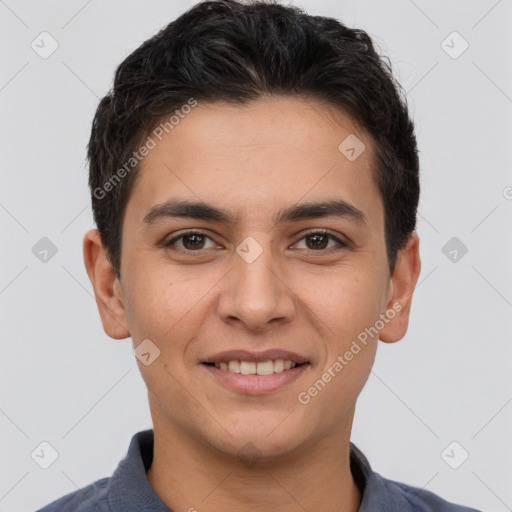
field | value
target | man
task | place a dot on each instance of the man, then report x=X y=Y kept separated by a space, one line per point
x=254 y=181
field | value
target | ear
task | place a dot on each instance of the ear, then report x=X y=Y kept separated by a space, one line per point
x=401 y=287
x=107 y=288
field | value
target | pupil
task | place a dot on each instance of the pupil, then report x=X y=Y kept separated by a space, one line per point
x=316 y=237
x=194 y=237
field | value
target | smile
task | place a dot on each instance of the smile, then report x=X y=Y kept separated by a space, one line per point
x=255 y=368
x=255 y=378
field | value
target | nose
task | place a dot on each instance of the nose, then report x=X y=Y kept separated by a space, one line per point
x=255 y=293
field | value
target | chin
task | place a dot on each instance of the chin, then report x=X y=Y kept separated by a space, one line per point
x=258 y=443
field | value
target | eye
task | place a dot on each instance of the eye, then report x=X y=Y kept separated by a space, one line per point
x=319 y=241
x=195 y=241
x=191 y=241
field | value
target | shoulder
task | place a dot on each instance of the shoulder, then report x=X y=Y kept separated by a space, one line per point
x=385 y=495
x=421 y=500
x=126 y=490
x=92 y=498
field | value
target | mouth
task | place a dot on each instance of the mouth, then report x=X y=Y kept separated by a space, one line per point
x=256 y=373
x=268 y=367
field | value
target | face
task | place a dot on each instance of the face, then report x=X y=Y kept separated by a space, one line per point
x=265 y=276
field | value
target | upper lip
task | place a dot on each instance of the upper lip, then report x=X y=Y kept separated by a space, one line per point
x=257 y=357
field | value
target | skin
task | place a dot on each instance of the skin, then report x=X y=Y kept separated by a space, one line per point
x=217 y=449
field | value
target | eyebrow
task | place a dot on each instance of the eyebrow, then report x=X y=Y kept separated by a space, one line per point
x=207 y=212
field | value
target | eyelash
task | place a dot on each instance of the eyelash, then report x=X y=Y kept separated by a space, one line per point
x=341 y=244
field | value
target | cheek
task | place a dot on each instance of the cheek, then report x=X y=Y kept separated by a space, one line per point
x=344 y=312
x=153 y=306
x=345 y=301
x=166 y=310
x=167 y=307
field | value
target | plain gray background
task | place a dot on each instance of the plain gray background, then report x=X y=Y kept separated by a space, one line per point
x=63 y=381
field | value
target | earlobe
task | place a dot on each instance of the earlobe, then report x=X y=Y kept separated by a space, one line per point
x=107 y=289
x=403 y=281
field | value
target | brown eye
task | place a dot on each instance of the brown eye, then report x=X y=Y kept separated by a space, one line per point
x=191 y=241
x=319 y=241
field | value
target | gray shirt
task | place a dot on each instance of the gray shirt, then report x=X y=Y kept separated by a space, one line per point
x=128 y=489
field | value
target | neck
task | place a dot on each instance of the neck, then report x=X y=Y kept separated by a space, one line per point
x=189 y=475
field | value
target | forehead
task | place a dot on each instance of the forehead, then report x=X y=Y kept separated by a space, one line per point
x=266 y=154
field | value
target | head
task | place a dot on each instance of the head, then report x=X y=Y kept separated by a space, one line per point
x=284 y=129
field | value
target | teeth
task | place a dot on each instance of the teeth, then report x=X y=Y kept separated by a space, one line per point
x=234 y=366
x=252 y=368
x=278 y=365
x=265 y=368
x=247 y=367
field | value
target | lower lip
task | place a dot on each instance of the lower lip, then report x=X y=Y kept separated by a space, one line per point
x=256 y=384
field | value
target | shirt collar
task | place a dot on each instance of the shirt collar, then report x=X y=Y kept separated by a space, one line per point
x=377 y=493
x=130 y=491
x=129 y=488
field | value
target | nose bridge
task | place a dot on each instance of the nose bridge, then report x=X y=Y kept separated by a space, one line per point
x=254 y=269
x=256 y=294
